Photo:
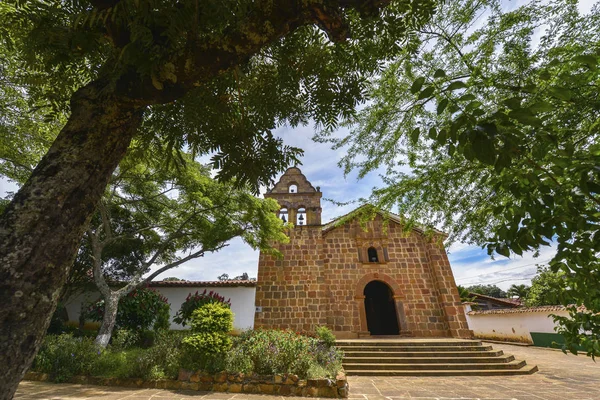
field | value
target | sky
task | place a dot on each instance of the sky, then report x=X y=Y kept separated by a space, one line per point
x=470 y=264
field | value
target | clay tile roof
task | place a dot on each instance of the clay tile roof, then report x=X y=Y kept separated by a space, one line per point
x=231 y=283
x=506 y=302
x=525 y=310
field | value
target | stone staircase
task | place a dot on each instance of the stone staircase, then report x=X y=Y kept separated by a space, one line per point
x=427 y=357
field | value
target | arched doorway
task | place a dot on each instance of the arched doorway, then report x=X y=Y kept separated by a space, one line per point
x=380 y=309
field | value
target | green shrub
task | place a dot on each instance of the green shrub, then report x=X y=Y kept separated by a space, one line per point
x=207 y=347
x=195 y=301
x=64 y=356
x=212 y=317
x=123 y=339
x=268 y=352
x=326 y=336
x=141 y=310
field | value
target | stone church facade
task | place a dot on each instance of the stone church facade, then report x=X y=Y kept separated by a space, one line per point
x=374 y=279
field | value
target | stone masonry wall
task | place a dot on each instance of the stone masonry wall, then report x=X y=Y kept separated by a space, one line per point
x=291 y=290
x=321 y=280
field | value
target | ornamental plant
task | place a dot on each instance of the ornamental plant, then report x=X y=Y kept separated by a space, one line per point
x=141 y=310
x=207 y=347
x=195 y=301
x=269 y=352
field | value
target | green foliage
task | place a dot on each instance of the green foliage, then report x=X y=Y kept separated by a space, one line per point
x=58 y=47
x=581 y=329
x=487 y=290
x=212 y=317
x=268 y=352
x=206 y=348
x=509 y=101
x=518 y=291
x=465 y=294
x=142 y=309
x=548 y=288
x=64 y=356
x=195 y=301
x=325 y=335
x=124 y=339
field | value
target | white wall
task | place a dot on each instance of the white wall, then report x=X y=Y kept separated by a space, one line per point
x=512 y=326
x=242 y=303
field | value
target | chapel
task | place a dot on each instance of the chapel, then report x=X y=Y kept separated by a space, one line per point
x=357 y=278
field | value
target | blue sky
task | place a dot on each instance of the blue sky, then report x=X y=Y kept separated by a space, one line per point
x=471 y=265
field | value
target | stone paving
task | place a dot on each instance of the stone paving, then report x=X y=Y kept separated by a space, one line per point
x=561 y=377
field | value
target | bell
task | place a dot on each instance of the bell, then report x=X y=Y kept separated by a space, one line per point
x=301 y=219
x=283 y=219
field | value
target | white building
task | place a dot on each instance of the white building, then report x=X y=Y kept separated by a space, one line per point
x=241 y=294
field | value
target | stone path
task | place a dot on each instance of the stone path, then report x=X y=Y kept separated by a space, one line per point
x=561 y=377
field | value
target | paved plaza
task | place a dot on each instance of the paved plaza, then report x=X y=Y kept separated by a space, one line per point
x=561 y=377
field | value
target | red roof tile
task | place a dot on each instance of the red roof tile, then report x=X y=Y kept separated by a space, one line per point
x=231 y=283
x=524 y=310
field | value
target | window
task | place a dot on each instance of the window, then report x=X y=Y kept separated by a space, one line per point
x=293 y=189
x=301 y=217
x=283 y=215
x=372 y=253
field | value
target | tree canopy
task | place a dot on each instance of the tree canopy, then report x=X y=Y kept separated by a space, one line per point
x=213 y=76
x=487 y=127
x=548 y=288
x=487 y=290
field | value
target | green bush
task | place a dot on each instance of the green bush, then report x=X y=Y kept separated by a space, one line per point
x=123 y=339
x=326 y=336
x=141 y=310
x=64 y=356
x=212 y=317
x=195 y=301
x=268 y=352
x=206 y=348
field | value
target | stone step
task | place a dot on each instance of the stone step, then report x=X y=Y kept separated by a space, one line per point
x=429 y=360
x=526 y=370
x=415 y=348
x=392 y=354
x=407 y=343
x=429 y=366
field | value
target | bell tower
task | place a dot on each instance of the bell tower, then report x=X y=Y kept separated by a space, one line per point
x=299 y=201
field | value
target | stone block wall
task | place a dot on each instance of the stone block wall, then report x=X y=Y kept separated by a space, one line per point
x=324 y=272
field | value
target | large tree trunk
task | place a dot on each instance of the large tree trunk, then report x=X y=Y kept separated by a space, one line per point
x=42 y=227
x=111 y=304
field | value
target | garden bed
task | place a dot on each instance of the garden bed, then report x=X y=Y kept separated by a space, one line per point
x=282 y=385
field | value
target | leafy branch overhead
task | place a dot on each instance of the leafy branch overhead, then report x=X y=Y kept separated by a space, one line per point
x=488 y=128
x=219 y=76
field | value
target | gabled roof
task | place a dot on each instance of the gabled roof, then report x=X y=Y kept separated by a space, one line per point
x=526 y=310
x=502 y=302
x=230 y=283
x=297 y=177
x=391 y=216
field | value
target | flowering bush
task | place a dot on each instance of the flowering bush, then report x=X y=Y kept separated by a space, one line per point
x=206 y=348
x=269 y=352
x=195 y=301
x=140 y=310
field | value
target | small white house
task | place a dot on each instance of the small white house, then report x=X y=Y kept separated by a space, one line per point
x=241 y=294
